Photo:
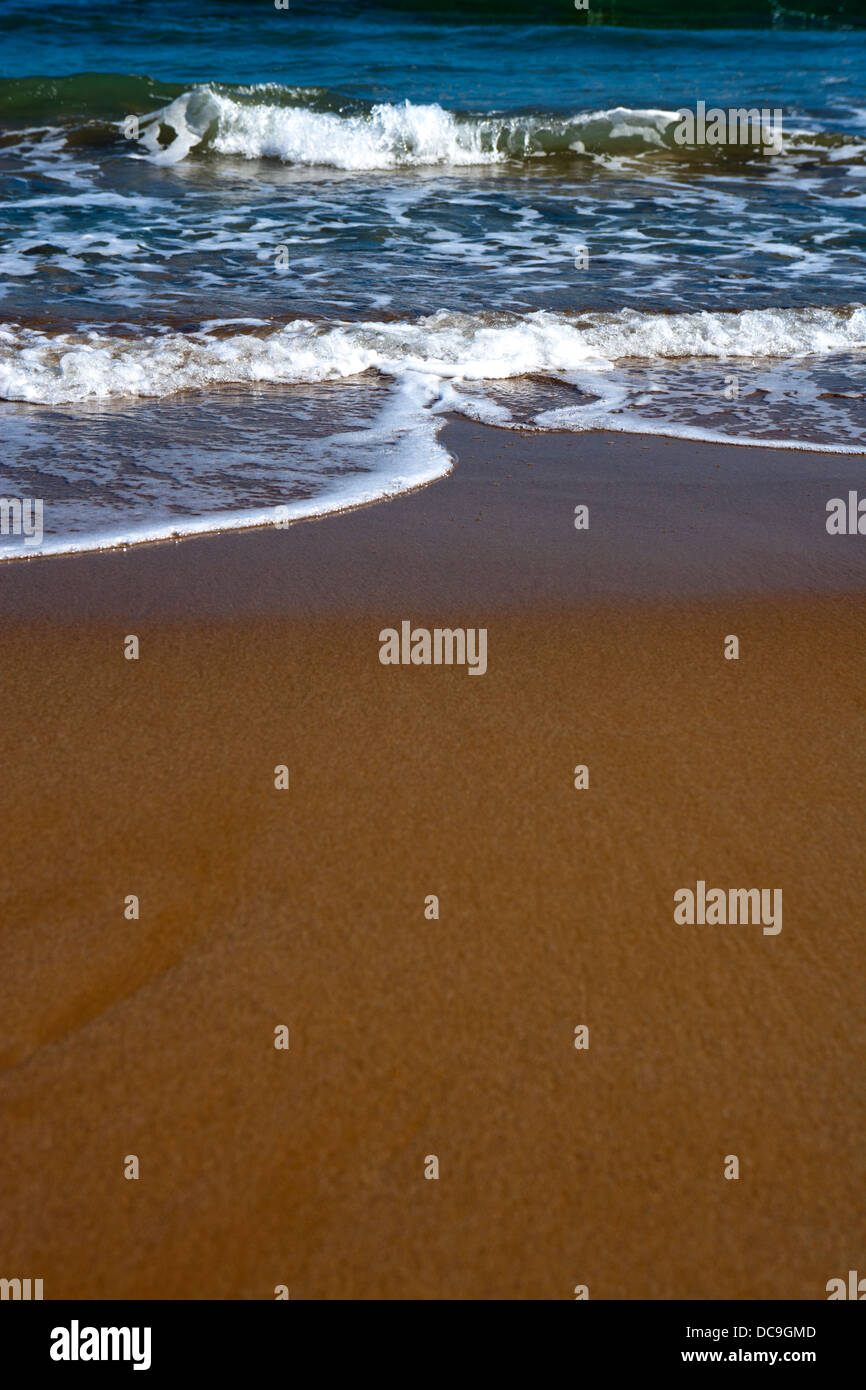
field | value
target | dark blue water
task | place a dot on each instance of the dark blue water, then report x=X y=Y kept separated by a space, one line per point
x=381 y=53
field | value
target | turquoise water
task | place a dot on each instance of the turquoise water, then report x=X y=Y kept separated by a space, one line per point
x=252 y=256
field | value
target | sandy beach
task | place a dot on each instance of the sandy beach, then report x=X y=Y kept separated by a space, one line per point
x=305 y=907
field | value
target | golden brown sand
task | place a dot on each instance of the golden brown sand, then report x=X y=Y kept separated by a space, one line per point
x=412 y=1037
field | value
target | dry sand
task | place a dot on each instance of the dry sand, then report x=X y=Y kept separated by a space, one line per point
x=453 y=1037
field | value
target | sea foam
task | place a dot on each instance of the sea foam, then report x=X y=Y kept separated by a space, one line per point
x=62 y=368
x=271 y=123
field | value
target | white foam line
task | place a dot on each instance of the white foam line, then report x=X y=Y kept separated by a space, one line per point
x=403 y=422
x=696 y=433
x=255 y=518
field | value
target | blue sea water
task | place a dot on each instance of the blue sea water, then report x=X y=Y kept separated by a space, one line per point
x=250 y=257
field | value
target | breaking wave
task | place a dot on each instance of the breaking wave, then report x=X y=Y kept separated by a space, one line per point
x=312 y=127
x=62 y=368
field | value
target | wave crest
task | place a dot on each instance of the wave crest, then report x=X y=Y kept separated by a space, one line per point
x=271 y=123
x=55 y=369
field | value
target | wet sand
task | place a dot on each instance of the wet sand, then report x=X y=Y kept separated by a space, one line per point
x=306 y=907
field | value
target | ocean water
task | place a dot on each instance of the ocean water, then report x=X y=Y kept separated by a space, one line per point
x=251 y=257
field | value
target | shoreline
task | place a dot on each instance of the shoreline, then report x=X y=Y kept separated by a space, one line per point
x=708 y=519
x=244 y=521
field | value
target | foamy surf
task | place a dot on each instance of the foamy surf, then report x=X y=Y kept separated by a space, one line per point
x=64 y=368
x=283 y=124
x=349 y=413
